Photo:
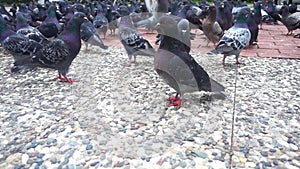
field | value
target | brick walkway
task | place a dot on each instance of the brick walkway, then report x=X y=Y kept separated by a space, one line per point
x=272 y=42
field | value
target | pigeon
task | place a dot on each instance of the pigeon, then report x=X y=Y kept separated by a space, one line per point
x=89 y=35
x=112 y=17
x=290 y=21
x=253 y=27
x=100 y=21
x=132 y=40
x=223 y=17
x=59 y=53
x=257 y=13
x=5 y=31
x=177 y=67
x=236 y=38
x=156 y=8
x=50 y=27
x=273 y=12
x=24 y=28
x=211 y=27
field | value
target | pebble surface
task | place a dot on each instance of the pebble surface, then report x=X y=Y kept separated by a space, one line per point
x=117 y=117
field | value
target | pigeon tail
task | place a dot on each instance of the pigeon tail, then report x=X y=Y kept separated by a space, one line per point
x=22 y=64
x=145 y=22
x=216 y=86
x=217 y=89
x=95 y=40
x=213 y=52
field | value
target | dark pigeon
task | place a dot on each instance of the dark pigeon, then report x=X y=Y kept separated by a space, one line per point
x=236 y=38
x=257 y=13
x=89 y=35
x=132 y=40
x=253 y=27
x=50 y=27
x=17 y=45
x=290 y=21
x=59 y=53
x=177 y=67
x=223 y=18
x=101 y=22
x=5 y=31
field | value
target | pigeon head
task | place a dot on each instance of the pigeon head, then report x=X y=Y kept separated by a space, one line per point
x=123 y=10
x=51 y=11
x=21 y=20
x=167 y=26
x=241 y=14
x=79 y=17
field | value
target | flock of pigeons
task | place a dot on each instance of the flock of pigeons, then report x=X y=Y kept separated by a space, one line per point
x=50 y=35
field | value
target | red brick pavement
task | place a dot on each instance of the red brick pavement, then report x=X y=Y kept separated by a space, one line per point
x=272 y=42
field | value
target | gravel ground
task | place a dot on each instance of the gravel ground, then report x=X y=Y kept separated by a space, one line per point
x=117 y=117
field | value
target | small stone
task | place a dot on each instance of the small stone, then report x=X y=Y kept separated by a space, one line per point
x=85 y=142
x=293 y=147
x=25 y=158
x=73 y=143
x=53 y=160
x=182 y=164
x=93 y=164
x=89 y=147
x=275 y=162
x=272 y=150
x=199 y=154
x=264 y=153
x=267 y=164
x=39 y=161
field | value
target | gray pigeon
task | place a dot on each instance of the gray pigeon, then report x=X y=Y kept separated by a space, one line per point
x=132 y=40
x=290 y=21
x=89 y=35
x=156 y=8
x=236 y=38
x=211 y=27
x=177 y=67
x=59 y=53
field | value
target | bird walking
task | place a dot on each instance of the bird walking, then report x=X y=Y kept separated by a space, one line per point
x=132 y=40
x=59 y=53
x=177 y=67
x=236 y=38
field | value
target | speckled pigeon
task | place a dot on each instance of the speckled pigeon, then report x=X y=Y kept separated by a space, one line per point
x=132 y=40
x=290 y=21
x=89 y=35
x=59 y=53
x=24 y=28
x=236 y=38
x=177 y=67
x=17 y=45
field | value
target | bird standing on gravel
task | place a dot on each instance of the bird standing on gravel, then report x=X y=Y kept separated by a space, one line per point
x=236 y=38
x=176 y=66
x=59 y=53
x=132 y=40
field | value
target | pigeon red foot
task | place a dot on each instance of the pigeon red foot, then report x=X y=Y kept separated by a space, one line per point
x=65 y=79
x=175 y=101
